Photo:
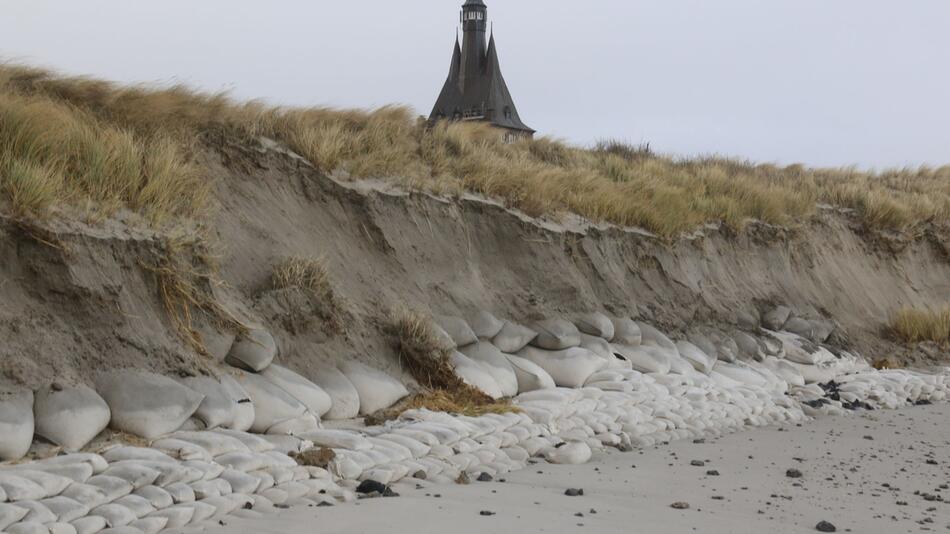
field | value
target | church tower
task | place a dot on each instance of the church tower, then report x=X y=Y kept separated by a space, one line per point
x=475 y=89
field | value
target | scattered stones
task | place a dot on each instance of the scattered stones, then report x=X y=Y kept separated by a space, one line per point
x=712 y=473
x=825 y=526
x=680 y=505
x=793 y=473
x=574 y=492
x=698 y=463
x=484 y=477
x=486 y=513
x=371 y=486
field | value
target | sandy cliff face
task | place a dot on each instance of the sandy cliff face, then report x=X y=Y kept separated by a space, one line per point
x=77 y=298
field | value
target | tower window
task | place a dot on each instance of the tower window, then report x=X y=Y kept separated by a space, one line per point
x=507 y=112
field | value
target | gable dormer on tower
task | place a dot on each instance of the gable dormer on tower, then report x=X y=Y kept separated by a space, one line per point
x=475 y=89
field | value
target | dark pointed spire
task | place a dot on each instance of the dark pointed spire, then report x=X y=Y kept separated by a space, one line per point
x=475 y=88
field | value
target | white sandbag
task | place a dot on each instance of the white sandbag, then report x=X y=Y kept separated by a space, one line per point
x=198 y=470
x=149 y=525
x=338 y=439
x=727 y=350
x=60 y=528
x=124 y=453
x=513 y=337
x=90 y=524
x=645 y=358
x=205 y=489
x=786 y=371
x=87 y=495
x=271 y=403
x=814 y=330
x=98 y=463
x=595 y=324
x=244 y=409
x=748 y=346
x=497 y=365
x=572 y=453
x=38 y=512
x=555 y=334
x=700 y=361
x=10 y=514
x=345 y=399
x=140 y=506
x=598 y=346
x=134 y=473
x=16 y=423
x=678 y=364
x=114 y=514
x=127 y=529
x=69 y=416
x=317 y=401
x=146 y=404
x=376 y=389
x=253 y=442
x=52 y=484
x=253 y=351
x=217 y=408
x=815 y=374
x=651 y=336
x=78 y=472
x=569 y=368
x=626 y=332
x=776 y=318
x=181 y=493
x=417 y=448
x=485 y=325
x=158 y=497
x=458 y=330
x=177 y=516
x=287 y=444
x=475 y=375
x=27 y=527
x=740 y=374
x=296 y=426
x=223 y=505
x=241 y=482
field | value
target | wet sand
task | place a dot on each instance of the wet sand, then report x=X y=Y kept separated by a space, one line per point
x=872 y=472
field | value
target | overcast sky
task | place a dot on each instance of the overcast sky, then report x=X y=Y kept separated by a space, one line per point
x=824 y=82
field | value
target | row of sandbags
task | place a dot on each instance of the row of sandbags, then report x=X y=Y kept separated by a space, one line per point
x=185 y=479
x=335 y=393
x=276 y=401
x=503 y=358
x=563 y=425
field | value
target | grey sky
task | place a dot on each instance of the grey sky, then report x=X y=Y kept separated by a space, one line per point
x=825 y=82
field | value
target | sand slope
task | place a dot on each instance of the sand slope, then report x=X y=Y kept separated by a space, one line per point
x=843 y=472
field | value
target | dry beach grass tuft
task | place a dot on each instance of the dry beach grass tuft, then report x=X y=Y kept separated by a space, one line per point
x=95 y=144
x=426 y=357
x=922 y=325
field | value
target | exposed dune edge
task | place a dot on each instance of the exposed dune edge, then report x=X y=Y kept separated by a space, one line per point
x=78 y=298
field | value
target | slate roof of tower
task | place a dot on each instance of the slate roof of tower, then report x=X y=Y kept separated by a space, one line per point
x=482 y=87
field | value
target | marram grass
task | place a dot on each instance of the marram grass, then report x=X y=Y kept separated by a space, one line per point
x=91 y=143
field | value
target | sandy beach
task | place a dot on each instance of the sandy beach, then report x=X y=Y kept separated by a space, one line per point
x=873 y=472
